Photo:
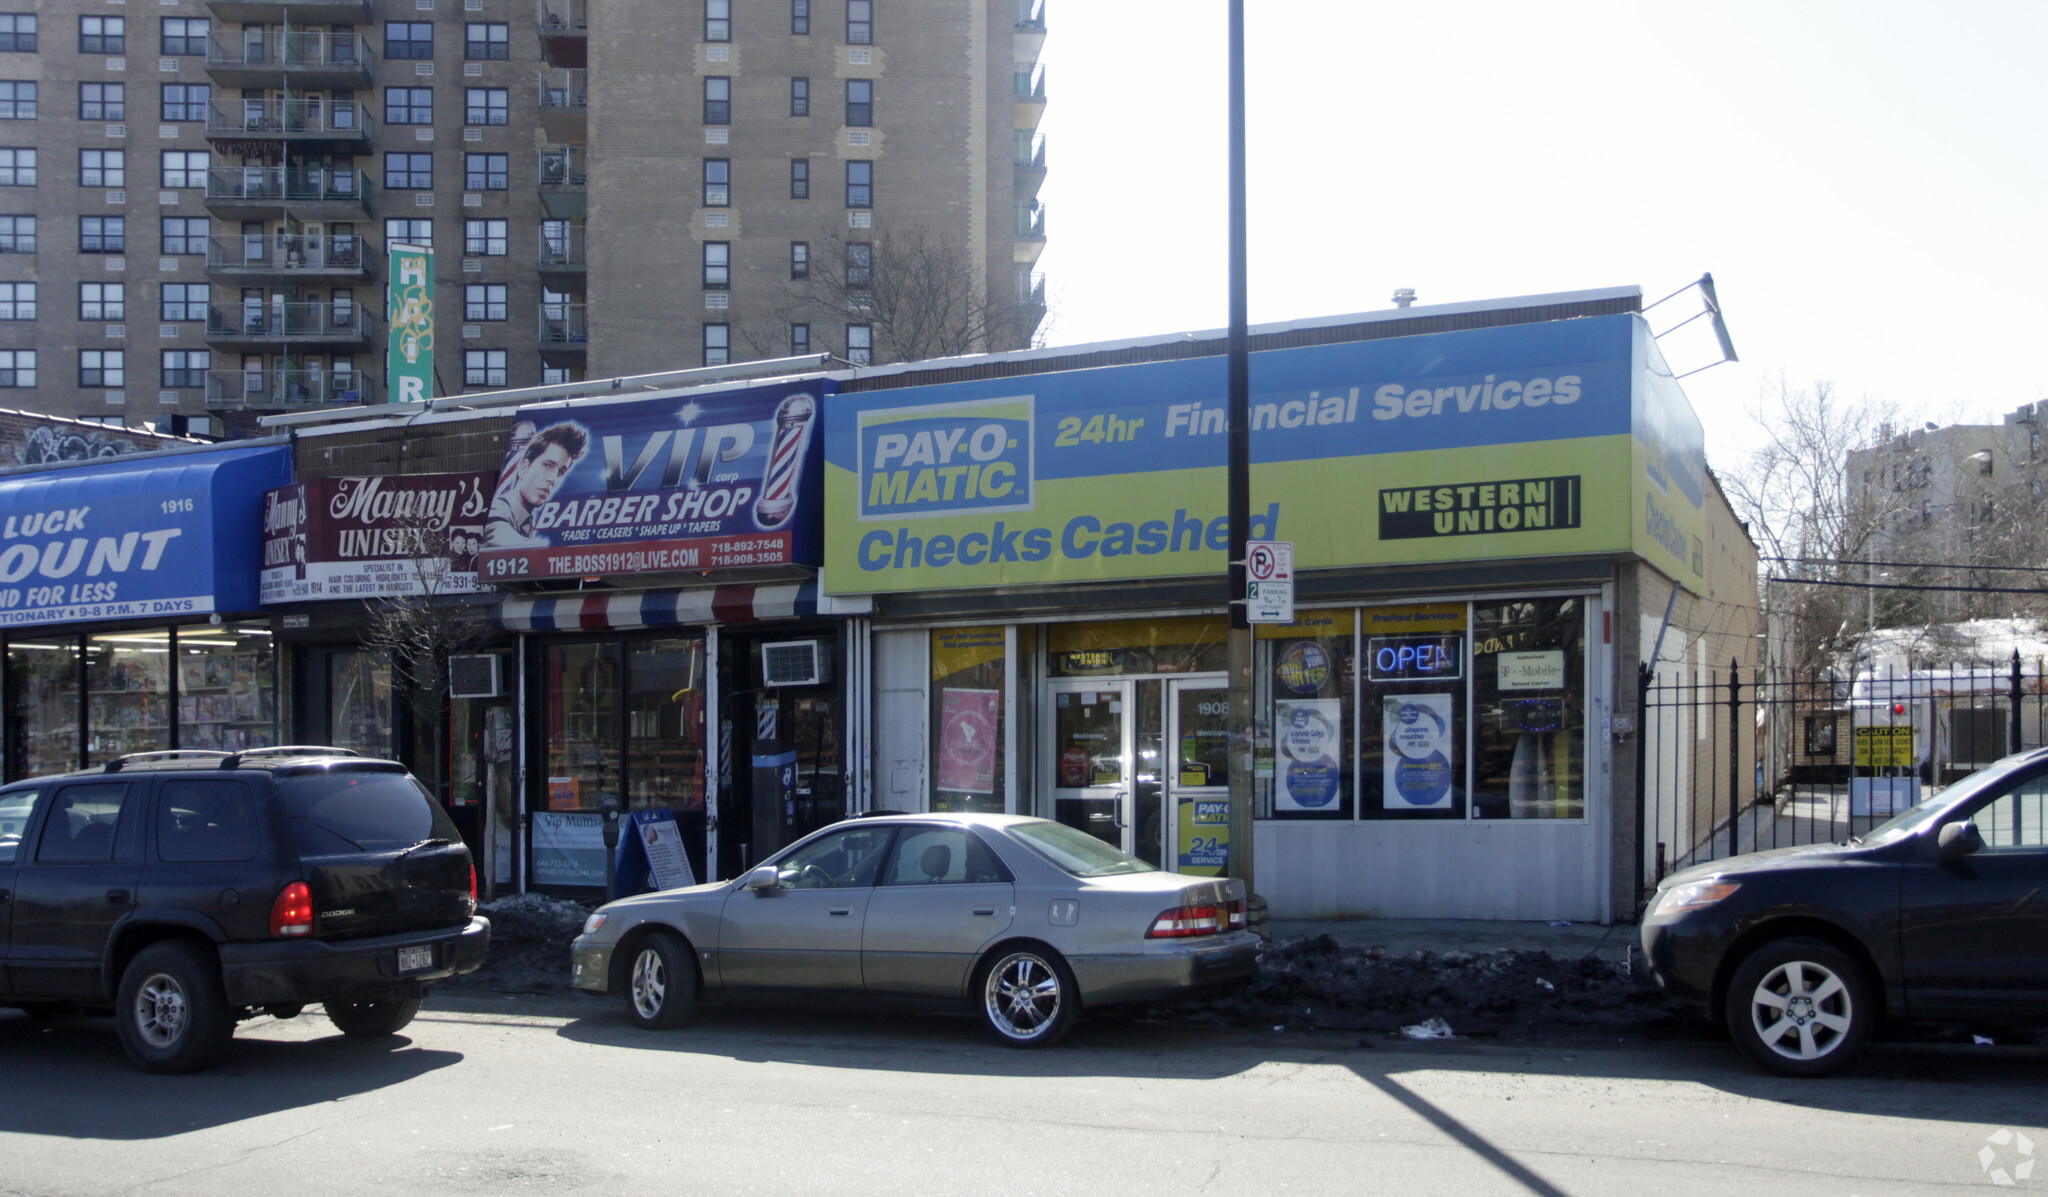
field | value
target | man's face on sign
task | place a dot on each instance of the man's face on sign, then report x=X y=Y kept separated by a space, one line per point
x=539 y=477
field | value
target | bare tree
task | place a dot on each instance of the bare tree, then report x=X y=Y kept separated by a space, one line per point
x=420 y=630
x=918 y=294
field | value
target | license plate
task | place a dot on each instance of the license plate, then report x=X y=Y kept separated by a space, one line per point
x=412 y=960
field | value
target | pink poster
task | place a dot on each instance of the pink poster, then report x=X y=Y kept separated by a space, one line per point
x=969 y=722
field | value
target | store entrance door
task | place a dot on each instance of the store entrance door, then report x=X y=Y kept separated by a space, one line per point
x=1114 y=775
x=1091 y=755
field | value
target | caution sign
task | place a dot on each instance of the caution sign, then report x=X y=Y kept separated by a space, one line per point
x=1884 y=748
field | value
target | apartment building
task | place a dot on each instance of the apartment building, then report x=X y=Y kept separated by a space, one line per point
x=196 y=195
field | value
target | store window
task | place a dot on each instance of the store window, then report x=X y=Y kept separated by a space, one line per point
x=1412 y=708
x=664 y=725
x=1192 y=645
x=1529 y=708
x=227 y=687
x=967 y=710
x=128 y=693
x=583 y=741
x=42 y=705
x=359 y=710
x=1308 y=671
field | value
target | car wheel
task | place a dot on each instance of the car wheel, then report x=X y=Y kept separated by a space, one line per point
x=1800 y=1007
x=661 y=983
x=372 y=1018
x=1028 y=997
x=172 y=1010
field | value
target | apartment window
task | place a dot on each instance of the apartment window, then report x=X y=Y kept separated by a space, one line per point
x=17 y=367
x=102 y=368
x=17 y=234
x=484 y=172
x=17 y=100
x=485 y=238
x=860 y=184
x=400 y=230
x=860 y=264
x=408 y=172
x=486 y=40
x=717 y=265
x=552 y=375
x=799 y=178
x=860 y=22
x=102 y=168
x=799 y=16
x=185 y=35
x=799 y=339
x=102 y=101
x=184 y=168
x=102 y=234
x=106 y=302
x=799 y=97
x=483 y=368
x=799 y=259
x=186 y=101
x=717 y=182
x=17 y=167
x=408 y=39
x=483 y=301
x=185 y=301
x=717 y=344
x=408 y=105
x=185 y=235
x=860 y=101
x=18 y=31
x=717 y=100
x=717 y=20
x=186 y=367
x=860 y=344
x=485 y=106
x=102 y=35
x=17 y=301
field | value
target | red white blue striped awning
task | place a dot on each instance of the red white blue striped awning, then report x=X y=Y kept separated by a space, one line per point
x=656 y=608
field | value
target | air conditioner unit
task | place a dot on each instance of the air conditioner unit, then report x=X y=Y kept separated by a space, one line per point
x=796 y=663
x=479 y=675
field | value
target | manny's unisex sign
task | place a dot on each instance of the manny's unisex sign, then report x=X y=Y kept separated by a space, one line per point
x=1532 y=440
x=349 y=538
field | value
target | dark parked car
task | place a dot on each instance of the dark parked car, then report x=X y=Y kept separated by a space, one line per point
x=186 y=891
x=1940 y=914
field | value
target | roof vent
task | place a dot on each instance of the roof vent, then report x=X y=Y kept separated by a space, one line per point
x=1404 y=297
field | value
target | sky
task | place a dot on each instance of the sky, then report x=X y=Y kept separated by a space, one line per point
x=1865 y=181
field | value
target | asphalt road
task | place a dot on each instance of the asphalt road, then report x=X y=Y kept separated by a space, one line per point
x=530 y=1095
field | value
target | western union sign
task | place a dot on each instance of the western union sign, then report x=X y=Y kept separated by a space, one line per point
x=1471 y=508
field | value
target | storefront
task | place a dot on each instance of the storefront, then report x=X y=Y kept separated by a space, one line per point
x=129 y=606
x=1478 y=501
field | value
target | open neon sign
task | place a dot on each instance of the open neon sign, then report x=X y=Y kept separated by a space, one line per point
x=1415 y=658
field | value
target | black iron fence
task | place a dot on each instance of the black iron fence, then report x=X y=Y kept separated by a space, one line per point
x=1732 y=761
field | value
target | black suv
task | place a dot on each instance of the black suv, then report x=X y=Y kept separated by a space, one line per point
x=190 y=890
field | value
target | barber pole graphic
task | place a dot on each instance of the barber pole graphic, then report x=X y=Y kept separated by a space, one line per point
x=793 y=421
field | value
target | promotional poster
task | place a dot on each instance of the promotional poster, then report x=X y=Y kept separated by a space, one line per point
x=969 y=722
x=345 y=538
x=1308 y=735
x=1417 y=731
x=721 y=481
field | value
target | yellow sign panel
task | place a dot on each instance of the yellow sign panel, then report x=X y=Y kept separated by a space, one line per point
x=955 y=649
x=1884 y=747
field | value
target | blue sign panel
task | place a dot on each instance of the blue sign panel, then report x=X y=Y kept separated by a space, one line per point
x=151 y=536
x=719 y=481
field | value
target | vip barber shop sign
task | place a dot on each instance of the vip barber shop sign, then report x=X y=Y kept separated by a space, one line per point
x=346 y=538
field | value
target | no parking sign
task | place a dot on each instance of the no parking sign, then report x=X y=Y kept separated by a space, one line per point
x=1269 y=581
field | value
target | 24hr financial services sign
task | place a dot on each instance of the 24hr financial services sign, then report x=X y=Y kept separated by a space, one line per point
x=719 y=481
x=1555 y=438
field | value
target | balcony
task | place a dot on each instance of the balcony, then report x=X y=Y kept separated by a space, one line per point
x=1028 y=163
x=256 y=326
x=1031 y=289
x=565 y=32
x=1030 y=35
x=292 y=58
x=564 y=331
x=255 y=192
x=564 y=261
x=1027 y=87
x=288 y=389
x=1029 y=228
x=265 y=126
x=287 y=256
x=565 y=181
x=308 y=13
x=565 y=105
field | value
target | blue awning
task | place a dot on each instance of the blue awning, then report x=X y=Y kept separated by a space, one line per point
x=143 y=537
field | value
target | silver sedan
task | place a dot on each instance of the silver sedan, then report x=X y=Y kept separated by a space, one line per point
x=1026 y=922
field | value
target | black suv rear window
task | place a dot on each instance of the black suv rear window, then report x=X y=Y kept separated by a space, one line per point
x=354 y=811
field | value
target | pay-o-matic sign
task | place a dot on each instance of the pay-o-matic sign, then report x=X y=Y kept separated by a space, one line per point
x=1544 y=439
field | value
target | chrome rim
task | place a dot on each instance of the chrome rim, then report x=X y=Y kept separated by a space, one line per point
x=1022 y=996
x=1801 y=1010
x=650 y=983
x=161 y=1011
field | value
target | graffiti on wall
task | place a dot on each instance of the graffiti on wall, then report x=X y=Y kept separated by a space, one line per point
x=45 y=444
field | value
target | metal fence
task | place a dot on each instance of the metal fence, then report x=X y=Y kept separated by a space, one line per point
x=1730 y=762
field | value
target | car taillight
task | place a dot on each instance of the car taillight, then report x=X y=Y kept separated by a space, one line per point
x=292 y=913
x=472 y=884
x=1183 y=921
x=1235 y=911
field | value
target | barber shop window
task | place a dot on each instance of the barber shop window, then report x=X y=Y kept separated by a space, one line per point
x=942 y=856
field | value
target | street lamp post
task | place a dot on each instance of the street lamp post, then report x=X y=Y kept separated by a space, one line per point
x=1238 y=469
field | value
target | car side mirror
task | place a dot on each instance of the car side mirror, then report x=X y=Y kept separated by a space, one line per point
x=762 y=878
x=1957 y=840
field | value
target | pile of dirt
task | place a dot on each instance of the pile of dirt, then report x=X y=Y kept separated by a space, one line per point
x=1316 y=984
x=529 y=952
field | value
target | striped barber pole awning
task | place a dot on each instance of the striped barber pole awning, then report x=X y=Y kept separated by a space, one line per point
x=657 y=608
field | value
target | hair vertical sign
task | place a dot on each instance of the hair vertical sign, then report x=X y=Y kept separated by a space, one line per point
x=409 y=356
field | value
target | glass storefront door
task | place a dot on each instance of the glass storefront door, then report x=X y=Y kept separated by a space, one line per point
x=1091 y=756
x=1197 y=777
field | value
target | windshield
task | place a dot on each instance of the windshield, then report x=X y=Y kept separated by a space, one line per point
x=1931 y=808
x=358 y=811
x=1077 y=852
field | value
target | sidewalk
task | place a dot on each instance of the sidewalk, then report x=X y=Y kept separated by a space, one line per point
x=1402 y=937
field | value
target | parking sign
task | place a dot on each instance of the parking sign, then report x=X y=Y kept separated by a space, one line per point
x=1269 y=581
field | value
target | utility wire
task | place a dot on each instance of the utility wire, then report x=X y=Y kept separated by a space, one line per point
x=1902 y=586
x=2008 y=569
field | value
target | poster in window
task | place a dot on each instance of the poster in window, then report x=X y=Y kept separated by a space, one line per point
x=1417 y=730
x=1308 y=735
x=968 y=725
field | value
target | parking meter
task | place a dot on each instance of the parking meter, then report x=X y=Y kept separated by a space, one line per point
x=609 y=806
